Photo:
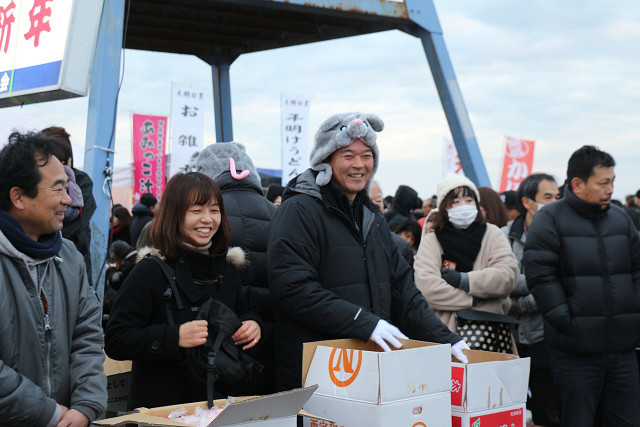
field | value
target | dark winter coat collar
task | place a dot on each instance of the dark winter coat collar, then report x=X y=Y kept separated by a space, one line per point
x=47 y=245
x=582 y=207
x=517 y=227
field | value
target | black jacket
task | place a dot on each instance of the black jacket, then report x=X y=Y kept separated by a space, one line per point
x=141 y=216
x=403 y=202
x=328 y=282
x=250 y=214
x=583 y=267
x=139 y=330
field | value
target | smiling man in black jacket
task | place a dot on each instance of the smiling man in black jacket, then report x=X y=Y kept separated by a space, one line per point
x=334 y=270
x=582 y=262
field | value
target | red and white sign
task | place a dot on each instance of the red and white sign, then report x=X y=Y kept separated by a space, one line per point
x=149 y=140
x=518 y=163
x=450 y=159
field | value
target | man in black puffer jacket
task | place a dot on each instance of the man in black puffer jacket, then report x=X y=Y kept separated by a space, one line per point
x=582 y=262
x=249 y=214
x=334 y=269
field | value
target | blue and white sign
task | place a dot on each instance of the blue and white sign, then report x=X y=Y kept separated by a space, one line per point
x=46 y=49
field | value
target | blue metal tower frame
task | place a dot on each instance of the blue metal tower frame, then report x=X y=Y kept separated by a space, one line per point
x=416 y=17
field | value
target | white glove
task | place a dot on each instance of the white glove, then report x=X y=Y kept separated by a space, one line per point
x=456 y=351
x=385 y=333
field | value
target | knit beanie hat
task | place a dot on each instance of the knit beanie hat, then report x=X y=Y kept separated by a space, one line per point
x=452 y=181
x=337 y=132
x=222 y=157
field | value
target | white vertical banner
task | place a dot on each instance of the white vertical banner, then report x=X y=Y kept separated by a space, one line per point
x=450 y=160
x=295 y=128
x=187 y=126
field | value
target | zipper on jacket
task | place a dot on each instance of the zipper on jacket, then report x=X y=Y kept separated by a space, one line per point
x=605 y=275
x=48 y=340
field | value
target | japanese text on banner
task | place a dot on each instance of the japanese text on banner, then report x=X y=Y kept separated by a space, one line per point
x=149 y=138
x=295 y=128
x=187 y=127
x=518 y=163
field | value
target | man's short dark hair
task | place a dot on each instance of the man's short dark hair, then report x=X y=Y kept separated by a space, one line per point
x=530 y=186
x=148 y=199
x=20 y=163
x=585 y=159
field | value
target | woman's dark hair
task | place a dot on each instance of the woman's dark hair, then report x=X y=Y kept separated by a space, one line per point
x=493 y=207
x=20 y=163
x=443 y=217
x=61 y=136
x=182 y=191
x=123 y=215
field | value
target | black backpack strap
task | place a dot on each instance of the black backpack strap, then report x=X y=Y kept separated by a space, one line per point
x=170 y=274
x=211 y=366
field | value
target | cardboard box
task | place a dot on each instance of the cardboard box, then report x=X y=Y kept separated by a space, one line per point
x=118 y=382
x=354 y=370
x=275 y=410
x=490 y=380
x=432 y=410
x=510 y=416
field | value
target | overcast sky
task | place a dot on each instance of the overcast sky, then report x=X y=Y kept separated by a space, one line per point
x=562 y=73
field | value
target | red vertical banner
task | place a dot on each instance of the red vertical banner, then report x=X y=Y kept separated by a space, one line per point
x=149 y=140
x=518 y=163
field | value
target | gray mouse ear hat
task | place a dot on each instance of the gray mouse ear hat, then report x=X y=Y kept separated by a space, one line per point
x=337 y=132
x=217 y=159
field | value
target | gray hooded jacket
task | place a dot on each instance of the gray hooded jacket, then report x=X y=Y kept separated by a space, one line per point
x=54 y=357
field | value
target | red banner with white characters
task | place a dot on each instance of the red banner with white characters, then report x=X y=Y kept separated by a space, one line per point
x=149 y=140
x=518 y=163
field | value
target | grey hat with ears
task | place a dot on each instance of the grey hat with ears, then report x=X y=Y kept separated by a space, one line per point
x=337 y=132
x=214 y=160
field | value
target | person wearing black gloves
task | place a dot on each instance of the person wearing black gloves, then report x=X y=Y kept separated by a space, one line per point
x=465 y=268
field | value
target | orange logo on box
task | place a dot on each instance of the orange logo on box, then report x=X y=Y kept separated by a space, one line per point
x=344 y=364
x=419 y=425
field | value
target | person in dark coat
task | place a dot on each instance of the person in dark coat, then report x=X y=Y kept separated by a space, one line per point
x=121 y=224
x=404 y=202
x=334 y=269
x=249 y=214
x=142 y=212
x=78 y=231
x=191 y=234
x=582 y=264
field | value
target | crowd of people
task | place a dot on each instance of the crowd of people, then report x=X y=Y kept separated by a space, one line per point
x=219 y=265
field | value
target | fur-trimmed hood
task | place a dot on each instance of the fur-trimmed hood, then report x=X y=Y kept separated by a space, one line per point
x=236 y=256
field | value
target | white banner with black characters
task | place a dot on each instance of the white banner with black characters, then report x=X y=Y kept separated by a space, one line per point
x=295 y=128
x=187 y=126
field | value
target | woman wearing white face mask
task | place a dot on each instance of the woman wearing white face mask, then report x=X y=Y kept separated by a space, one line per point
x=466 y=269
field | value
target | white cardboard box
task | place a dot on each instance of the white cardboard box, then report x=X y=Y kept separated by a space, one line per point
x=118 y=382
x=274 y=410
x=432 y=410
x=354 y=370
x=490 y=380
x=510 y=416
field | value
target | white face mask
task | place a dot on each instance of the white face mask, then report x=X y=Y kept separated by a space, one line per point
x=539 y=205
x=462 y=216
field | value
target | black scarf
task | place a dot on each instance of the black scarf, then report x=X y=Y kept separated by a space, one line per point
x=461 y=246
x=47 y=245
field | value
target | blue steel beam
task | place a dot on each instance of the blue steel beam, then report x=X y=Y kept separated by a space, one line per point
x=220 y=65
x=423 y=13
x=391 y=9
x=101 y=124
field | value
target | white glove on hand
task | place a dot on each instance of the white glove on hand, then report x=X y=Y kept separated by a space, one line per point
x=385 y=333
x=456 y=351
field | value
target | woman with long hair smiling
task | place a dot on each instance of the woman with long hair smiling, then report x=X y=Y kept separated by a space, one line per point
x=190 y=234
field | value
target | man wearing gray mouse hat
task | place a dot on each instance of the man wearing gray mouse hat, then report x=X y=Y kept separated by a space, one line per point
x=334 y=270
